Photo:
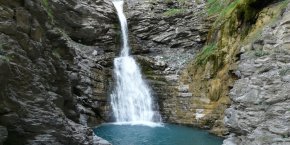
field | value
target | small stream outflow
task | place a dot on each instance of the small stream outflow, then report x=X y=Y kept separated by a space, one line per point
x=131 y=99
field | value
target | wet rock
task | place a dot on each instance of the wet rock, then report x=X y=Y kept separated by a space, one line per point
x=100 y=141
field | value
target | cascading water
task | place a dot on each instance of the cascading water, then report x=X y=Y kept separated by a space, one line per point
x=131 y=99
x=132 y=104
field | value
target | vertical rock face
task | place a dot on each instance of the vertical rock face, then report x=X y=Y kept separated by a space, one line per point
x=211 y=75
x=167 y=33
x=260 y=109
x=54 y=62
x=170 y=33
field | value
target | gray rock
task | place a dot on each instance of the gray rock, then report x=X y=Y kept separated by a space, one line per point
x=183 y=88
x=184 y=94
x=100 y=141
x=48 y=69
x=259 y=113
x=3 y=134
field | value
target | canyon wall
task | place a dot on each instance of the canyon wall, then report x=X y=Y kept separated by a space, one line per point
x=220 y=65
x=235 y=38
x=259 y=111
x=55 y=69
x=166 y=36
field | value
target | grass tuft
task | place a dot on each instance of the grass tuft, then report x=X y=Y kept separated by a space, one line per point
x=207 y=51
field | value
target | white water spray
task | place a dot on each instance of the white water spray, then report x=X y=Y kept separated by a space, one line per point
x=131 y=100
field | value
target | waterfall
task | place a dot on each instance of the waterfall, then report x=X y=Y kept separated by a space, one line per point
x=131 y=99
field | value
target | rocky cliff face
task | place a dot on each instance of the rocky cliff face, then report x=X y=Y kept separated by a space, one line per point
x=260 y=111
x=167 y=34
x=54 y=63
x=211 y=74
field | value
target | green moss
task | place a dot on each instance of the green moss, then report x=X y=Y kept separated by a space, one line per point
x=174 y=12
x=247 y=13
x=284 y=4
x=260 y=53
x=181 y=1
x=48 y=10
x=204 y=56
x=244 y=12
x=284 y=71
x=217 y=7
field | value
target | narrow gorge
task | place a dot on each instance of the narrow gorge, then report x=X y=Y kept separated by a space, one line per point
x=216 y=72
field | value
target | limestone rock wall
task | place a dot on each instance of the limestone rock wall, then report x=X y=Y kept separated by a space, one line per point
x=165 y=35
x=210 y=77
x=56 y=66
x=55 y=59
x=259 y=112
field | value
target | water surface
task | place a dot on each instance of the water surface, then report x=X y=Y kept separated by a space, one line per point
x=169 y=134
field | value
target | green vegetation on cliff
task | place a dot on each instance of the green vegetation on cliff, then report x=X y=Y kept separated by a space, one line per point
x=173 y=12
x=233 y=19
x=205 y=54
x=48 y=10
x=284 y=71
x=176 y=7
x=236 y=23
x=216 y=7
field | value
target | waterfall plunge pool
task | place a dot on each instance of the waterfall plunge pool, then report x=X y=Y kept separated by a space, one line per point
x=167 y=134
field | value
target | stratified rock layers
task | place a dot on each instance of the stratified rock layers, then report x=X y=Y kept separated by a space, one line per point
x=260 y=110
x=54 y=62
